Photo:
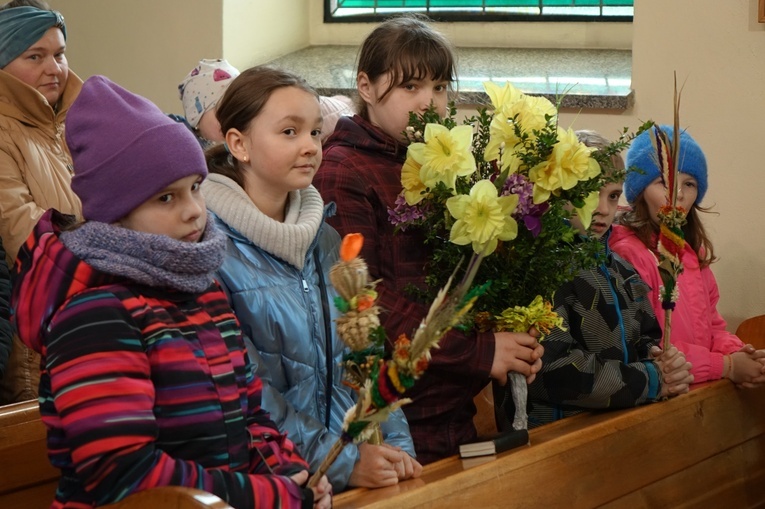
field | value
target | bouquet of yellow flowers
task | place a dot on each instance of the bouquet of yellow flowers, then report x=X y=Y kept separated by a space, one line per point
x=503 y=187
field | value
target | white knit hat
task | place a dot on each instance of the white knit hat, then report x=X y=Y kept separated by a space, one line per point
x=201 y=89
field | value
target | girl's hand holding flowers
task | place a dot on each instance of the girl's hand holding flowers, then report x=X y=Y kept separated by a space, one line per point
x=322 y=490
x=516 y=351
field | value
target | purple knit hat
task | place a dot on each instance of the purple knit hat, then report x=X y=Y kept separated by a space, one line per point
x=125 y=150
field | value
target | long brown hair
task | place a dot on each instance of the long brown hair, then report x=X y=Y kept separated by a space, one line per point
x=409 y=48
x=639 y=221
x=244 y=99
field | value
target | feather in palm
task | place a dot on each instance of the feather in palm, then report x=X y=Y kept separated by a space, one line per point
x=671 y=218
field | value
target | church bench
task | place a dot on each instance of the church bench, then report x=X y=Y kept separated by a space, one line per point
x=28 y=481
x=702 y=449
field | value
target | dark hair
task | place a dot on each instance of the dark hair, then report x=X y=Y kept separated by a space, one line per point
x=26 y=3
x=409 y=48
x=244 y=99
x=639 y=221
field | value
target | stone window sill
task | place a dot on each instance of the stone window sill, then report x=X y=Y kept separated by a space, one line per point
x=580 y=79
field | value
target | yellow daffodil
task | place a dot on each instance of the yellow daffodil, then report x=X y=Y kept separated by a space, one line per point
x=585 y=212
x=530 y=113
x=483 y=218
x=502 y=97
x=411 y=182
x=569 y=163
x=445 y=154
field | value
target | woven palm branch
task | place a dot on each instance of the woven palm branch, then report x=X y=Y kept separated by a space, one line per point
x=671 y=218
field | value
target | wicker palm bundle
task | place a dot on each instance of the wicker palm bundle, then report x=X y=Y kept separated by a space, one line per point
x=350 y=277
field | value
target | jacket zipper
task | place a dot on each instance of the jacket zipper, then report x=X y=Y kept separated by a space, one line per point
x=327 y=334
x=625 y=354
x=60 y=142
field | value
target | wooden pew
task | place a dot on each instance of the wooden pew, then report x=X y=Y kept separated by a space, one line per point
x=702 y=449
x=171 y=497
x=27 y=479
x=752 y=330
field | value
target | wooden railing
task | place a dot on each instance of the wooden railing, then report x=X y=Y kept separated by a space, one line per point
x=171 y=497
x=27 y=479
x=702 y=449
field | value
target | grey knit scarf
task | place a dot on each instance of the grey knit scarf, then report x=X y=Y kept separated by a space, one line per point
x=288 y=240
x=149 y=259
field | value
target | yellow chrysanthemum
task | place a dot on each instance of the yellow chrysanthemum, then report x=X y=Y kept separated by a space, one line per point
x=529 y=112
x=411 y=182
x=483 y=218
x=445 y=154
x=569 y=163
x=585 y=212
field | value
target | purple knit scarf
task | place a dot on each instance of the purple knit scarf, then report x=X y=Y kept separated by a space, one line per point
x=149 y=259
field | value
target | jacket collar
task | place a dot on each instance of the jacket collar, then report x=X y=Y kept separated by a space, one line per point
x=359 y=133
x=25 y=104
x=288 y=242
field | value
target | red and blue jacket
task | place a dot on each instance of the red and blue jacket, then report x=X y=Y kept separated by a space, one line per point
x=143 y=387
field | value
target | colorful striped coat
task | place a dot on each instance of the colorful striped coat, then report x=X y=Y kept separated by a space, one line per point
x=142 y=387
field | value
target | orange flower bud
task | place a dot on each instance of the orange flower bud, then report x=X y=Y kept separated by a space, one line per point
x=351 y=246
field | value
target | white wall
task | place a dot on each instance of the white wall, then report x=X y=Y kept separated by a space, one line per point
x=146 y=46
x=718 y=51
x=258 y=31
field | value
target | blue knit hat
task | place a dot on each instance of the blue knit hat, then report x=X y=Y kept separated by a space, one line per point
x=21 y=27
x=642 y=155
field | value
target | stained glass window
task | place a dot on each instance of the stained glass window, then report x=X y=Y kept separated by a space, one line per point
x=482 y=10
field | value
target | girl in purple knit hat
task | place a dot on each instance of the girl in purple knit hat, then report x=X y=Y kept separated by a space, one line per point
x=145 y=381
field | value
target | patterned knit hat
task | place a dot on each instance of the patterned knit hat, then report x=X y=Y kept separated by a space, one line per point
x=642 y=155
x=201 y=89
x=125 y=150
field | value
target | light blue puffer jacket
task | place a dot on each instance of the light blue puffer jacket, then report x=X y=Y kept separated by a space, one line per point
x=288 y=315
